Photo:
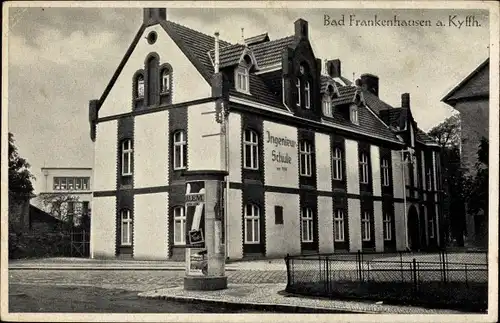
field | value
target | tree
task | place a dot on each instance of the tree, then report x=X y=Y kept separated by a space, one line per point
x=64 y=207
x=456 y=184
x=20 y=176
x=478 y=203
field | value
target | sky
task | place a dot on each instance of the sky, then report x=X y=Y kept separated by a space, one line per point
x=60 y=58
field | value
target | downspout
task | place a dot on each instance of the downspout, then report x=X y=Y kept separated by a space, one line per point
x=403 y=162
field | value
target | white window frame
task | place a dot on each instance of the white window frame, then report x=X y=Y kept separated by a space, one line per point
x=253 y=144
x=387 y=227
x=306 y=152
x=165 y=81
x=429 y=180
x=432 y=228
x=307 y=225
x=365 y=226
x=307 y=95
x=297 y=85
x=385 y=172
x=125 y=218
x=127 y=150
x=254 y=217
x=337 y=164
x=339 y=222
x=57 y=183
x=140 y=86
x=86 y=183
x=354 y=115
x=242 y=79
x=364 y=169
x=179 y=218
x=180 y=144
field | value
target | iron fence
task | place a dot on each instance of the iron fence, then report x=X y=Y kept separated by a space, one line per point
x=430 y=279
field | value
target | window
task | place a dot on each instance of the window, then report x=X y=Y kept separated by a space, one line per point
x=385 y=172
x=140 y=86
x=365 y=227
x=252 y=224
x=78 y=183
x=127 y=157
x=307 y=225
x=337 y=164
x=305 y=158
x=307 y=96
x=327 y=107
x=297 y=85
x=180 y=150
x=354 y=114
x=165 y=81
x=179 y=226
x=429 y=180
x=387 y=227
x=57 y=183
x=71 y=183
x=85 y=183
x=251 y=150
x=338 y=225
x=364 y=168
x=242 y=79
x=431 y=227
x=126 y=228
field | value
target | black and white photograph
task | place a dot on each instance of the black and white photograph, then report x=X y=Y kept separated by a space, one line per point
x=250 y=161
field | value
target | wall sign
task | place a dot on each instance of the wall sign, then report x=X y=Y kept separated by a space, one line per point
x=283 y=150
x=195 y=214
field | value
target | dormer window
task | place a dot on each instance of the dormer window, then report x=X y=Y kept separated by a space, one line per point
x=307 y=96
x=354 y=114
x=242 y=79
x=327 y=106
x=140 y=86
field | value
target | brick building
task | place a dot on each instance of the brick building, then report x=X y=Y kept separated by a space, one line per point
x=471 y=98
x=316 y=164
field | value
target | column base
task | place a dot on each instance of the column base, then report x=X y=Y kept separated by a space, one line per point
x=205 y=283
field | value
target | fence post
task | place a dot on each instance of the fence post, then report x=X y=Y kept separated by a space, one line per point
x=415 y=275
x=288 y=274
x=444 y=266
x=466 y=282
x=359 y=265
x=401 y=259
x=327 y=275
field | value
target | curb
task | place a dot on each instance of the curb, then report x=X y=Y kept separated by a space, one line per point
x=108 y=268
x=280 y=308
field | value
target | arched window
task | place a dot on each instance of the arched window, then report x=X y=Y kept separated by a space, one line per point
x=307 y=95
x=180 y=150
x=166 y=79
x=252 y=224
x=305 y=158
x=126 y=228
x=179 y=226
x=250 y=149
x=139 y=83
x=242 y=78
x=307 y=225
x=337 y=164
x=127 y=155
x=297 y=98
x=363 y=162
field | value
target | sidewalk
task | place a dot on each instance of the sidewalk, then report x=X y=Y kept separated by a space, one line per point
x=271 y=297
x=115 y=264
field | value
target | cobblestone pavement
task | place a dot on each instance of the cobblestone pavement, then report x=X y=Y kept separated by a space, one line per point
x=131 y=280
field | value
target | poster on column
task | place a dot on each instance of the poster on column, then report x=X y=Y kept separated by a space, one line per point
x=195 y=214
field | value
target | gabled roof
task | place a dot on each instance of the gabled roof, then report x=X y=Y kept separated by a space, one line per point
x=466 y=88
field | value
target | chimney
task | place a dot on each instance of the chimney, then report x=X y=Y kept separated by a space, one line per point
x=405 y=100
x=154 y=15
x=301 y=29
x=369 y=82
x=333 y=68
x=216 y=63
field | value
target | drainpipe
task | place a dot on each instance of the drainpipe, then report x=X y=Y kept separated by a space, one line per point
x=216 y=67
x=403 y=163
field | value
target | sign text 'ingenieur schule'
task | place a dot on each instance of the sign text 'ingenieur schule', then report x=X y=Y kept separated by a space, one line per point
x=278 y=156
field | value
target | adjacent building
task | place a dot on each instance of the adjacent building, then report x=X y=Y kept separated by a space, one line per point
x=65 y=190
x=471 y=98
x=316 y=163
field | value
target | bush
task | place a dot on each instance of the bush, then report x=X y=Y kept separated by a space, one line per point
x=36 y=245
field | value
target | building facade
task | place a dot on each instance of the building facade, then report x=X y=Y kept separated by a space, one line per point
x=65 y=190
x=316 y=164
x=471 y=98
